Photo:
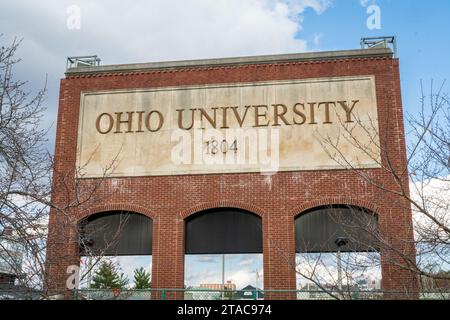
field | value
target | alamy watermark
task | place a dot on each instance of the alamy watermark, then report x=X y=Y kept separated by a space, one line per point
x=374 y=19
x=73 y=279
x=73 y=21
x=373 y=11
x=233 y=148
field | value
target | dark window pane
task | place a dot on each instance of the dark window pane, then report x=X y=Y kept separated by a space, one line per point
x=223 y=231
x=318 y=229
x=116 y=233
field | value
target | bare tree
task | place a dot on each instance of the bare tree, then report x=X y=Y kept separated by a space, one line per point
x=24 y=166
x=428 y=191
x=326 y=272
x=427 y=195
x=27 y=179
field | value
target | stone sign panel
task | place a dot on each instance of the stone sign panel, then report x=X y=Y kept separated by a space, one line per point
x=311 y=124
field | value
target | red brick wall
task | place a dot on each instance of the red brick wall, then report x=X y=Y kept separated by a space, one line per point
x=277 y=199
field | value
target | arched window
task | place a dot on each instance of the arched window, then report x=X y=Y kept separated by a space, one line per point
x=223 y=231
x=223 y=248
x=337 y=251
x=116 y=233
x=320 y=229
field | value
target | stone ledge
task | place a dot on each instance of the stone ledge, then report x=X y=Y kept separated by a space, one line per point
x=205 y=63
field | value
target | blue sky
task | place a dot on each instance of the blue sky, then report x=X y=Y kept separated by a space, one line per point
x=158 y=30
x=422 y=29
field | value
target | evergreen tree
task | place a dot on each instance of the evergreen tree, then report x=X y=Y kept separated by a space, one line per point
x=141 y=279
x=108 y=277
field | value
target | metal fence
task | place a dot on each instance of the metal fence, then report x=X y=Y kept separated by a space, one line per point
x=206 y=294
x=19 y=294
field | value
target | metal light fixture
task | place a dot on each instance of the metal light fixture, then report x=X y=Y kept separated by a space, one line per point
x=340 y=242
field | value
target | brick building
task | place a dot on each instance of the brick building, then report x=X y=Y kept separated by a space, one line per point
x=218 y=286
x=115 y=142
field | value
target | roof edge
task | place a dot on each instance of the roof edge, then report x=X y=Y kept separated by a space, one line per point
x=235 y=61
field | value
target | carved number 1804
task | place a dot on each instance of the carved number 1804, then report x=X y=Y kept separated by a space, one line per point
x=213 y=146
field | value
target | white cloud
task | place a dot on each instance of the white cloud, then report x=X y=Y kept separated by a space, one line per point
x=158 y=29
x=300 y=5
x=206 y=259
x=246 y=261
x=434 y=196
x=196 y=276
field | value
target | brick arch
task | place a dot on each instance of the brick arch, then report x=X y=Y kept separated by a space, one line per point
x=116 y=207
x=222 y=204
x=299 y=210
